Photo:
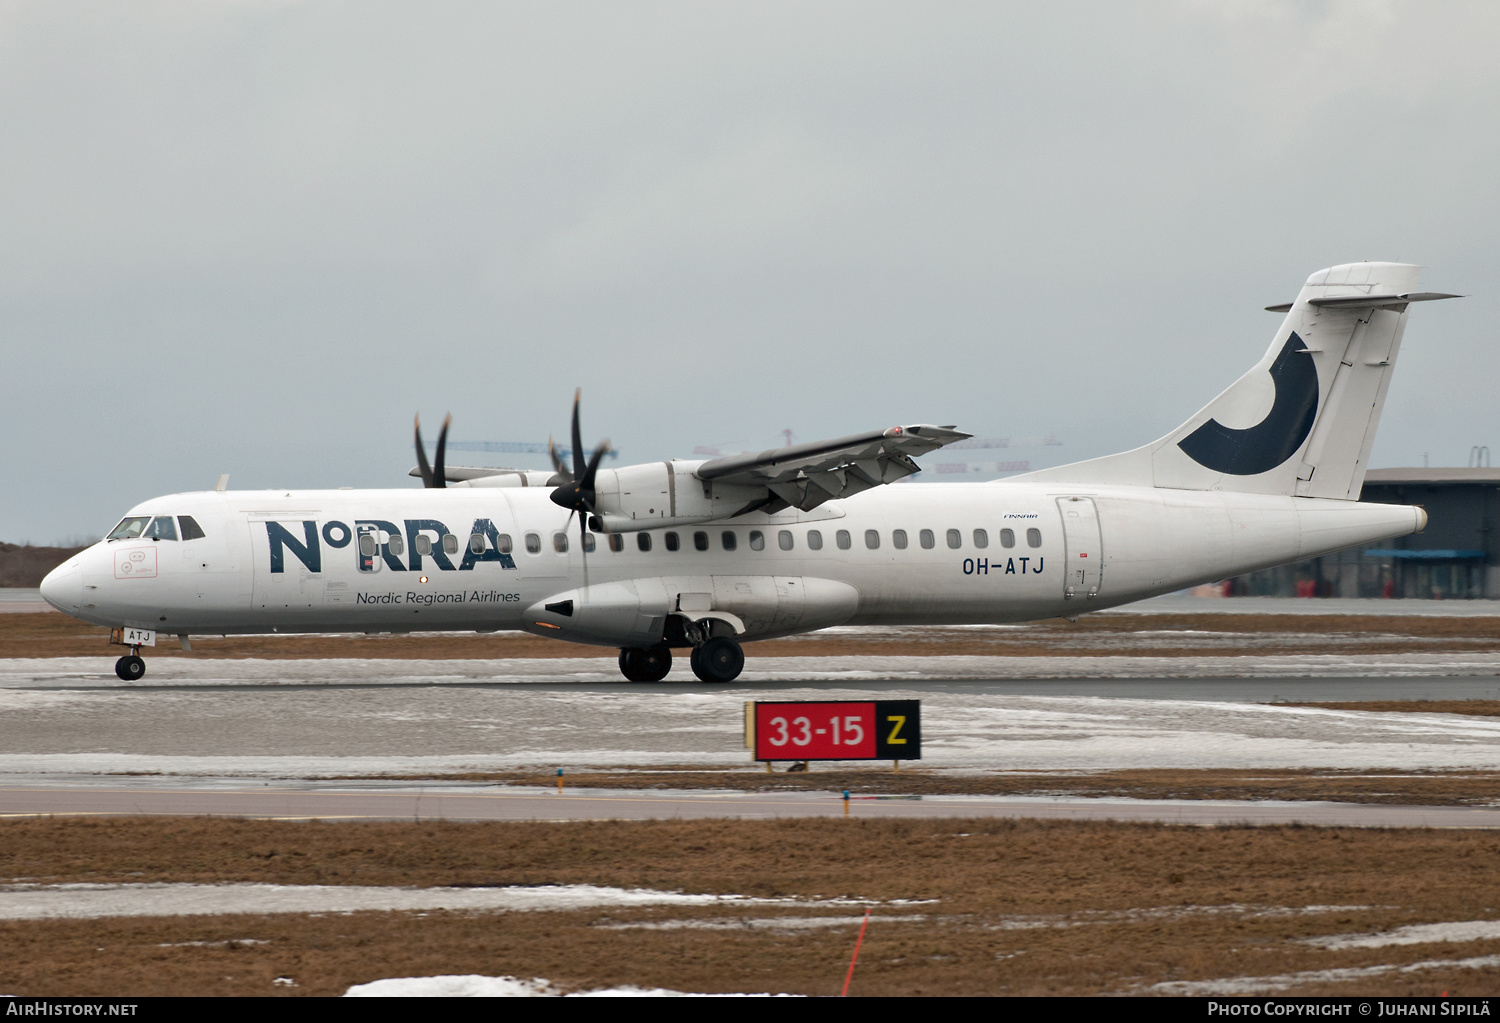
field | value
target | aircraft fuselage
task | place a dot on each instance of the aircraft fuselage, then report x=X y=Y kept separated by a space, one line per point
x=457 y=559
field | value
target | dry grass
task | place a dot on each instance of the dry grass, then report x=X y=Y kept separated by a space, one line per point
x=1477 y=708
x=1024 y=907
x=1188 y=635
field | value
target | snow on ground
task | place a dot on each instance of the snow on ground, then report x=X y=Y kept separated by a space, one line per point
x=314 y=733
x=474 y=986
x=768 y=923
x=1415 y=934
x=1091 y=917
x=1245 y=986
x=87 y=901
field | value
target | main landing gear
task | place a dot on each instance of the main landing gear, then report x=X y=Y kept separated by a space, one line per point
x=718 y=660
x=130 y=668
x=645 y=664
x=715 y=661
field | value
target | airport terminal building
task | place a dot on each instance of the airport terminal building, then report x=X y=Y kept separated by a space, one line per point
x=1456 y=557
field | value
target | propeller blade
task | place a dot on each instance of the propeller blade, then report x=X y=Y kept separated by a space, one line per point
x=576 y=490
x=558 y=465
x=577 y=434
x=587 y=483
x=422 y=454
x=439 y=479
x=583 y=548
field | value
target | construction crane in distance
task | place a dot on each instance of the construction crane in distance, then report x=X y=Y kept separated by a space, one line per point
x=511 y=447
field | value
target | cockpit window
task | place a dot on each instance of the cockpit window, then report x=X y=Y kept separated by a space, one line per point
x=129 y=528
x=162 y=528
x=192 y=531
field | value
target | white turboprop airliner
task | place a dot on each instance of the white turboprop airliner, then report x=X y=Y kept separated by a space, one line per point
x=707 y=554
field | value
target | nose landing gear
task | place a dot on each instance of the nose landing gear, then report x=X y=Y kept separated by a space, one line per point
x=130 y=667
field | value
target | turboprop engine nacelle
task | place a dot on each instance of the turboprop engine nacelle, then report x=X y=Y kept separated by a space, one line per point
x=658 y=494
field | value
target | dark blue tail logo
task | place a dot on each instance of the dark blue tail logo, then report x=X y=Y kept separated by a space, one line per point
x=1274 y=439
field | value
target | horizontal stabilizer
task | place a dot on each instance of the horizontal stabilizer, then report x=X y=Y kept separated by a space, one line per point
x=1365 y=301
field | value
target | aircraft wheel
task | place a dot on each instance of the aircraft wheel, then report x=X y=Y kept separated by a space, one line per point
x=719 y=660
x=645 y=664
x=653 y=663
x=130 y=668
x=627 y=664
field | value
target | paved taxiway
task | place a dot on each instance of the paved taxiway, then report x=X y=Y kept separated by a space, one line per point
x=474 y=803
x=332 y=718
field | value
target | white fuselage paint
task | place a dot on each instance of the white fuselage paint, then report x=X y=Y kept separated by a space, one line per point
x=1149 y=540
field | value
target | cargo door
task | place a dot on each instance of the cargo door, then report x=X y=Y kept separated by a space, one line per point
x=1083 y=558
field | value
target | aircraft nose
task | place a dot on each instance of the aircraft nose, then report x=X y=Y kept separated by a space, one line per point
x=63 y=587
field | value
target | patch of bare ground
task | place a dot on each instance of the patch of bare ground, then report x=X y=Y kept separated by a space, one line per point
x=1022 y=907
x=1477 y=708
x=1188 y=635
x=1434 y=788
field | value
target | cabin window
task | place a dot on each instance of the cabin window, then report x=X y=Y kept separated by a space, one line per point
x=450 y=543
x=814 y=540
x=396 y=545
x=981 y=538
x=643 y=542
x=784 y=539
x=671 y=540
x=727 y=538
x=898 y=539
x=616 y=542
x=928 y=540
x=1033 y=538
x=130 y=528
x=872 y=539
x=588 y=543
x=422 y=544
x=757 y=540
x=1007 y=538
x=955 y=539
x=476 y=543
x=700 y=541
x=533 y=543
x=843 y=540
x=191 y=530
x=560 y=542
x=367 y=544
x=504 y=546
x=162 y=528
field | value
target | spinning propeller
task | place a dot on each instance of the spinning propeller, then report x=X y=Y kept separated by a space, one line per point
x=432 y=475
x=576 y=491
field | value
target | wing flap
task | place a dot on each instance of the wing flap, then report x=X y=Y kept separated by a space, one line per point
x=807 y=475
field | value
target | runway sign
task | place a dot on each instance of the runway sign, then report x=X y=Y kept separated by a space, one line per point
x=841 y=730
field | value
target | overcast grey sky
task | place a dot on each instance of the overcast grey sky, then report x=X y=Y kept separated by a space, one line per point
x=256 y=237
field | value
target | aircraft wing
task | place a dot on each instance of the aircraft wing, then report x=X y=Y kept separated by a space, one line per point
x=805 y=475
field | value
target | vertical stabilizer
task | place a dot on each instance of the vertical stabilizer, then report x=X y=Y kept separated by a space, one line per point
x=1302 y=421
